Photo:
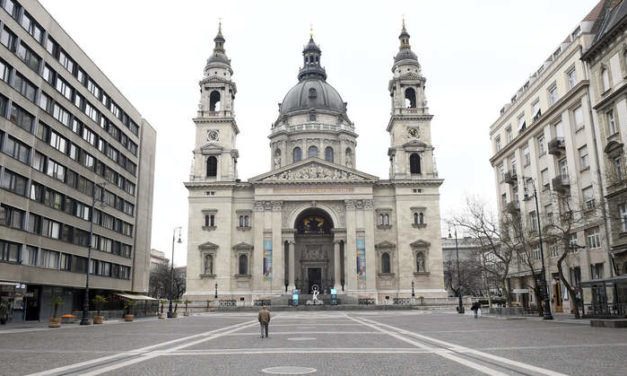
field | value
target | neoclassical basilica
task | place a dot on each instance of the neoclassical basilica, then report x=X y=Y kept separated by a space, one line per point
x=314 y=220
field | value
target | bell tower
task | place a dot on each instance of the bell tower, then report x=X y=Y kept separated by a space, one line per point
x=215 y=155
x=410 y=152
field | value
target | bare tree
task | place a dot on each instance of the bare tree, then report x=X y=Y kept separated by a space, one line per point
x=161 y=284
x=496 y=245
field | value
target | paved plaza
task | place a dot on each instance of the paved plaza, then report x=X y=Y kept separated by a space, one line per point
x=317 y=343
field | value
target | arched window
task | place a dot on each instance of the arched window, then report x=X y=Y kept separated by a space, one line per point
x=241 y=221
x=415 y=218
x=349 y=157
x=206 y=221
x=212 y=220
x=605 y=76
x=212 y=166
x=328 y=154
x=247 y=221
x=385 y=263
x=312 y=93
x=297 y=154
x=243 y=265
x=214 y=101
x=420 y=262
x=312 y=117
x=312 y=152
x=414 y=163
x=208 y=264
x=421 y=219
x=410 y=98
x=386 y=219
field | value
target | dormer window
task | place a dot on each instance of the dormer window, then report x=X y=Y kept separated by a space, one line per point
x=312 y=117
x=313 y=93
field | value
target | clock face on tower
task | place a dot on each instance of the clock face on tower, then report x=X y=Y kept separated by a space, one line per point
x=413 y=132
x=212 y=135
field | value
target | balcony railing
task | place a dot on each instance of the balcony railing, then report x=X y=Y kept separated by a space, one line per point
x=561 y=183
x=510 y=177
x=557 y=146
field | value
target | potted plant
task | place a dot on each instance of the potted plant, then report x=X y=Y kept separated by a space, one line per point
x=55 y=322
x=187 y=301
x=163 y=302
x=176 y=305
x=128 y=305
x=99 y=301
x=208 y=304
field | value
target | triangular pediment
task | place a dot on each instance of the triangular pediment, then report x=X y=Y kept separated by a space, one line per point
x=415 y=144
x=313 y=170
x=385 y=245
x=420 y=244
x=208 y=245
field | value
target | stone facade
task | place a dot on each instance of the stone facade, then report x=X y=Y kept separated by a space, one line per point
x=313 y=219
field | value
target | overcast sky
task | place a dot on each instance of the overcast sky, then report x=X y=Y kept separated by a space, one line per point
x=475 y=55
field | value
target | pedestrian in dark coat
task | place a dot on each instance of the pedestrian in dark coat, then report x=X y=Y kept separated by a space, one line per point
x=264 y=320
x=4 y=313
x=475 y=308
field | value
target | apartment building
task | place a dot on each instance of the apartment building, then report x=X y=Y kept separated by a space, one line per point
x=544 y=140
x=77 y=159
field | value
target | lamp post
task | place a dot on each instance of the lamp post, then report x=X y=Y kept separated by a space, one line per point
x=460 y=290
x=216 y=293
x=179 y=229
x=413 y=293
x=545 y=292
x=85 y=317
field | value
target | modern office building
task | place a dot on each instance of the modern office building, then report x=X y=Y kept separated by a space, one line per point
x=67 y=136
x=314 y=220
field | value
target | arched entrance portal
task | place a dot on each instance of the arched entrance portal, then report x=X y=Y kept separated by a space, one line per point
x=314 y=251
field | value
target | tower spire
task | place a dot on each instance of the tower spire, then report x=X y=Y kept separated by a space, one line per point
x=219 y=40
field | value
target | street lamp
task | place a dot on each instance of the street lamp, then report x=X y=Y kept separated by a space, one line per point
x=179 y=229
x=545 y=292
x=413 y=293
x=216 y=293
x=85 y=318
x=460 y=290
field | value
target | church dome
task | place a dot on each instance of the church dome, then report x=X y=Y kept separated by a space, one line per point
x=311 y=94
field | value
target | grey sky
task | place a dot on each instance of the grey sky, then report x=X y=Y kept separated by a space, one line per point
x=475 y=55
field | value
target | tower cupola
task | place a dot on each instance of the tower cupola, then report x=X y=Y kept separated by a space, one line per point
x=311 y=62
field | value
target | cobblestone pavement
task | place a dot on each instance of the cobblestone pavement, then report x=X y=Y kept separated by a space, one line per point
x=317 y=343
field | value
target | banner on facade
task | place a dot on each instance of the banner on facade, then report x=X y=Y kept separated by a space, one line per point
x=361 y=259
x=267 y=260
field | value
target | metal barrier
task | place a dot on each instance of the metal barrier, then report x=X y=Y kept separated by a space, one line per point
x=605 y=310
x=228 y=303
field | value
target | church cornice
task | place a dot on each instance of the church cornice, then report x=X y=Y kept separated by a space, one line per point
x=201 y=184
x=415 y=117
x=213 y=120
x=420 y=182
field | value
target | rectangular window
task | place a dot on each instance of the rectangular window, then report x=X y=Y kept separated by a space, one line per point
x=5 y=71
x=66 y=61
x=572 y=78
x=45 y=102
x=588 y=197
x=578 y=116
x=21 y=117
x=89 y=136
x=497 y=143
x=7 y=38
x=16 y=149
x=32 y=27
x=51 y=46
x=91 y=112
x=29 y=256
x=14 y=182
x=541 y=145
x=593 y=238
x=611 y=123
x=521 y=123
x=11 y=8
x=55 y=170
x=605 y=78
x=544 y=174
x=501 y=173
x=49 y=259
x=58 y=142
x=509 y=134
x=548 y=213
x=622 y=211
x=12 y=217
x=533 y=224
x=38 y=161
x=584 y=160
x=536 y=112
x=25 y=87
x=553 y=95
x=31 y=59
x=65 y=262
x=64 y=88
x=61 y=114
x=9 y=252
x=526 y=156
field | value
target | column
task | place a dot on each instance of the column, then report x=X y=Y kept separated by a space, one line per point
x=291 y=245
x=278 y=283
x=350 y=250
x=371 y=262
x=336 y=266
x=257 y=262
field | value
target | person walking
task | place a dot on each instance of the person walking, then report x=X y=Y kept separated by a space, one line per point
x=264 y=320
x=4 y=313
x=475 y=308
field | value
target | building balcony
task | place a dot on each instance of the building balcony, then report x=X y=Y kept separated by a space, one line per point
x=561 y=183
x=512 y=207
x=557 y=146
x=510 y=177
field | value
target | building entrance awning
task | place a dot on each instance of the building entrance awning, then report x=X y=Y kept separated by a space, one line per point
x=621 y=279
x=136 y=297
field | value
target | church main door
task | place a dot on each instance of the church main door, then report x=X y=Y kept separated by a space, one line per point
x=314 y=251
x=314 y=277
